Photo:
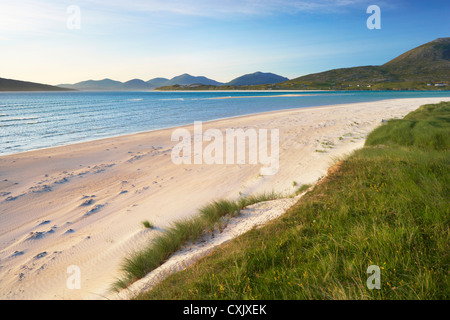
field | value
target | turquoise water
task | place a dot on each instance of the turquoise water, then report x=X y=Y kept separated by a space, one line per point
x=34 y=120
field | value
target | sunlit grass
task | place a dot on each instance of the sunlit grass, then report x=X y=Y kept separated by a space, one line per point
x=386 y=205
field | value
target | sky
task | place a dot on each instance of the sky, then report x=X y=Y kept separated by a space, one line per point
x=68 y=41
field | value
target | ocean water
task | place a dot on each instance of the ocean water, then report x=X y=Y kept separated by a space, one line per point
x=35 y=120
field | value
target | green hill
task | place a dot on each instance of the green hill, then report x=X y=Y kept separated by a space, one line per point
x=420 y=68
x=429 y=62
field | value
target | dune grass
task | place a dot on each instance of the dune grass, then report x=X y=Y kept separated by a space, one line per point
x=182 y=232
x=386 y=205
x=147 y=224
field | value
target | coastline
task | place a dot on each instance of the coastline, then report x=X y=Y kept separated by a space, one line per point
x=131 y=178
x=165 y=128
x=65 y=138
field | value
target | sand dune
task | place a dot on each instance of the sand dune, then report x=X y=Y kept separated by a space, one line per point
x=83 y=204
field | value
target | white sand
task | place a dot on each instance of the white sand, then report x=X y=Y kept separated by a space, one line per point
x=83 y=204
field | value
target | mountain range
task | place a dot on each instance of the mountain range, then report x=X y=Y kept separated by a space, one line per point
x=181 y=80
x=424 y=67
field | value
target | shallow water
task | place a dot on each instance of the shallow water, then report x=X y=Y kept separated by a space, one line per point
x=35 y=120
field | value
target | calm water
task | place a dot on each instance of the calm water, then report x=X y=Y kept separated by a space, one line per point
x=31 y=121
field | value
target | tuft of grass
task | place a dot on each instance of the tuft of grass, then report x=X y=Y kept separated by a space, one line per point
x=147 y=224
x=386 y=205
x=138 y=264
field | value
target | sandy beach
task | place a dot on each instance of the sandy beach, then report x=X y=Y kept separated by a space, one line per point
x=83 y=204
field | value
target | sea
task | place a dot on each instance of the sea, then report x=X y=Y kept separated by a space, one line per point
x=36 y=120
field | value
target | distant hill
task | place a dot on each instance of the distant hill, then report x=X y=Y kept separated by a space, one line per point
x=138 y=84
x=187 y=79
x=256 y=79
x=99 y=85
x=157 y=82
x=135 y=84
x=420 y=68
x=17 y=85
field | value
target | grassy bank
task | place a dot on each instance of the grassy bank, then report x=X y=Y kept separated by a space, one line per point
x=385 y=205
x=182 y=232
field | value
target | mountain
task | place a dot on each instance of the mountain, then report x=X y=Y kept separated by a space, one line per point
x=157 y=82
x=429 y=61
x=98 y=85
x=135 y=84
x=422 y=67
x=256 y=79
x=186 y=79
x=17 y=85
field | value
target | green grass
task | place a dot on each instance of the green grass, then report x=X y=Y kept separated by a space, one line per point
x=147 y=224
x=210 y=216
x=426 y=129
x=386 y=204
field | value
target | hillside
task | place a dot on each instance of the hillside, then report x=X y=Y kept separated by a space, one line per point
x=420 y=68
x=17 y=85
x=430 y=62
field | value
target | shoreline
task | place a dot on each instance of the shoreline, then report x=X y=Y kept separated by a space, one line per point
x=190 y=124
x=182 y=125
x=82 y=204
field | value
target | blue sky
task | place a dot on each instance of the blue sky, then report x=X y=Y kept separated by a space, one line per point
x=222 y=40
